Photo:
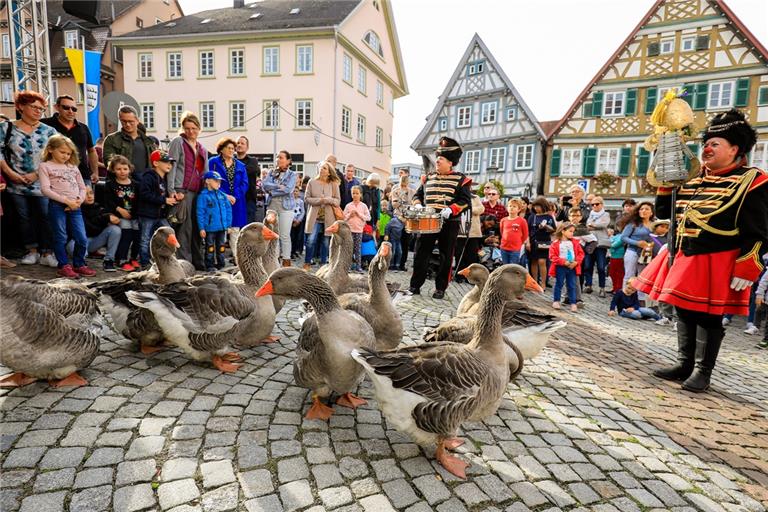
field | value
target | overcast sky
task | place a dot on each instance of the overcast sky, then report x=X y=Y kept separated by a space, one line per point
x=549 y=49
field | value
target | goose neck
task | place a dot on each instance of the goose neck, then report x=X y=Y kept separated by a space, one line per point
x=252 y=268
x=487 y=333
x=321 y=297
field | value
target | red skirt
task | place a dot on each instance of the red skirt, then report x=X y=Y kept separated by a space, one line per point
x=701 y=282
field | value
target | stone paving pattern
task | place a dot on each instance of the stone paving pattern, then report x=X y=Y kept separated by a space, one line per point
x=584 y=427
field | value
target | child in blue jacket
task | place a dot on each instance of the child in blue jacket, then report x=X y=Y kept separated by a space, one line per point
x=214 y=217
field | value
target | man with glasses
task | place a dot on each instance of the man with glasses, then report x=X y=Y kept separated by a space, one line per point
x=65 y=122
x=131 y=141
x=492 y=205
x=577 y=200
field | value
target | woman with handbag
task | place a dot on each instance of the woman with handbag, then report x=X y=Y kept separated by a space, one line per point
x=279 y=184
x=637 y=236
x=321 y=201
x=541 y=225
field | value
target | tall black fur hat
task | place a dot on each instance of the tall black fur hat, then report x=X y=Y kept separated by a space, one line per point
x=733 y=127
x=449 y=149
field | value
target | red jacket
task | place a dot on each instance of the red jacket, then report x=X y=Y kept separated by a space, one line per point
x=554 y=256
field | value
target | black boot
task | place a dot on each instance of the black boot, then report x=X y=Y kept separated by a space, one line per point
x=686 y=347
x=706 y=355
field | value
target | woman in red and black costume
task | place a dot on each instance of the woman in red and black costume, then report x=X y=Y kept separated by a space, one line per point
x=721 y=236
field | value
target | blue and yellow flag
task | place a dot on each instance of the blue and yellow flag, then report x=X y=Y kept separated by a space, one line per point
x=88 y=72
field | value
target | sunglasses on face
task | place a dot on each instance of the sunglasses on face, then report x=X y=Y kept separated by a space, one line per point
x=68 y=108
x=492 y=194
x=596 y=204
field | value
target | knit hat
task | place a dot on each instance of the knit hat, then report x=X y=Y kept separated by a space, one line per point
x=733 y=127
x=449 y=149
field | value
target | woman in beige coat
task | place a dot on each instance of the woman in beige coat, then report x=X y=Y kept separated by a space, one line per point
x=469 y=243
x=320 y=197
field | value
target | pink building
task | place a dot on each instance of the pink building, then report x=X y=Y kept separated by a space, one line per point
x=333 y=66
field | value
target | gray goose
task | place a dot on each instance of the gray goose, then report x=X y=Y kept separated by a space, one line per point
x=36 y=342
x=204 y=314
x=66 y=298
x=428 y=391
x=323 y=362
x=476 y=274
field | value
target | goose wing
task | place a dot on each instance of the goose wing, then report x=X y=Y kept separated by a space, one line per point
x=63 y=298
x=517 y=314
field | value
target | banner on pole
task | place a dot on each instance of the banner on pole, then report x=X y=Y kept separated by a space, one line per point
x=87 y=71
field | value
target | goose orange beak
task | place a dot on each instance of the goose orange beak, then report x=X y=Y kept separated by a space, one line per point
x=172 y=241
x=269 y=234
x=267 y=289
x=384 y=249
x=333 y=228
x=531 y=284
x=464 y=272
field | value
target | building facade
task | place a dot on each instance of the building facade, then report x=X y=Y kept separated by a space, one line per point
x=698 y=45
x=414 y=174
x=483 y=111
x=311 y=77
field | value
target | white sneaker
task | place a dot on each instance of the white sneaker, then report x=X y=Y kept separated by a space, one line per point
x=674 y=326
x=663 y=321
x=751 y=329
x=726 y=321
x=31 y=258
x=49 y=260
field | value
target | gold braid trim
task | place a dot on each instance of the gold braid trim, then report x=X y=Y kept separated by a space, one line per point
x=753 y=254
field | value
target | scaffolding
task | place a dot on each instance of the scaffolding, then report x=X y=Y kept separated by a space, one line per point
x=30 y=51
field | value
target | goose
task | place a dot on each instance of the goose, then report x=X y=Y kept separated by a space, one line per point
x=428 y=391
x=323 y=361
x=36 y=342
x=66 y=298
x=203 y=314
x=477 y=275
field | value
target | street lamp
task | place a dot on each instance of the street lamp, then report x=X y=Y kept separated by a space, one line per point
x=165 y=143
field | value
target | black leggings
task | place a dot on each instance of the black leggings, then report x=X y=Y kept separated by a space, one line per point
x=128 y=238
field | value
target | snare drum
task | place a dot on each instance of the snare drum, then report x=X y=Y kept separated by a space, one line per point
x=423 y=220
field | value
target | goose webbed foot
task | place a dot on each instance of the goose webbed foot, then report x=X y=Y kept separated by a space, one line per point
x=270 y=339
x=351 y=401
x=232 y=357
x=451 y=463
x=224 y=366
x=149 y=349
x=73 y=379
x=16 y=380
x=318 y=411
x=452 y=443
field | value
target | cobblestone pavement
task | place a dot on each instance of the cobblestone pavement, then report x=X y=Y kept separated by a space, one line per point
x=585 y=426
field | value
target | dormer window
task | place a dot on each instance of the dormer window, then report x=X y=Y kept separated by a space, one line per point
x=373 y=41
x=71 y=38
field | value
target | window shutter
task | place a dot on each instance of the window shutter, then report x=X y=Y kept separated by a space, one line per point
x=587 y=110
x=590 y=162
x=651 y=95
x=597 y=104
x=690 y=90
x=762 y=97
x=625 y=158
x=643 y=161
x=702 y=43
x=699 y=93
x=695 y=150
x=654 y=49
x=630 y=106
x=554 y=168
x=742 y=92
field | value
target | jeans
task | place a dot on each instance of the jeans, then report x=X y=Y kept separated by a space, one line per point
x=599 y=257
x=511 y=257
x=109 y=237
x=147 y=227
x=36 y=233
x=567 y=275
x=639 y=314
x=404 y=243
x=65 y=223
x=284 y=222
x=632 y=269
x=255 y=212
x=397 y=253
x=313 y=238
x=214 y=245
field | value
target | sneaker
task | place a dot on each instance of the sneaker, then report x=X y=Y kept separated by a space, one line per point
x=726 y=321
x=135 y=264
x=751 y=329
x=574 y=308
x=127 y=267
x=414 y=290
x=438 y=294
x=31 y=258
x=109 y=266
x=555 y=305
x=68 y=272
x=49 y=260
x=587 y=289
x=674 y=326
x=762 y=344
x=85 y=270
x=601 y=293
x=663 y=321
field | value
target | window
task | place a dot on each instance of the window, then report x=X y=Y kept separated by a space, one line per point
x=524 y=156
x=304 y=59
x=362 y=79
x=237 y=62
x=145 y=66
x=613 y=103
x=303 y=113
x=488 y=113
x=7 y=92
x=360 y=128
x=511 y=113
x=70 y=39
x=760 y=155
x=207 y=116
x=347 y=69
x=688 y=44
x=442 y=124
x=570 y=162
x=379 y=139
x=463 y=117
x=6 y=46
x=475 y=68
x=174 y=111
x=608 y=160
x=271 y=114
x=148 y=115
x=667 y=46
x=139 y=22
x=720 y=95
x=373 y=41
x=271 y=60
x=158 y=21
x=379 y=93
x=346 y=121
x=174 y=65
x=237 y=114
x=206 y=64
x=391 y=104
x=117 y=54
x=472 y=161
x=498 y=158
x=54 y=89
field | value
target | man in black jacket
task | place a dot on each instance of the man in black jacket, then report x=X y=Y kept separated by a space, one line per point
x=255 y=197
x=152 y=200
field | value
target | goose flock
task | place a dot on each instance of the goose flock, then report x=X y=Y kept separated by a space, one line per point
x=352 y=330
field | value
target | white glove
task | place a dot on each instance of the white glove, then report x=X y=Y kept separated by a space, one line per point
x=445 y=213
x=738 y=284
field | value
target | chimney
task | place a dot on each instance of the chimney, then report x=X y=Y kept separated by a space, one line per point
x=239 y=4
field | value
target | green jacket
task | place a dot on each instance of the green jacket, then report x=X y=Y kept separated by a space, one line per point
x=118 y=143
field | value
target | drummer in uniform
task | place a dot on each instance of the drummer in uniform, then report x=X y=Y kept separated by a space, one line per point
x=448 y=192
